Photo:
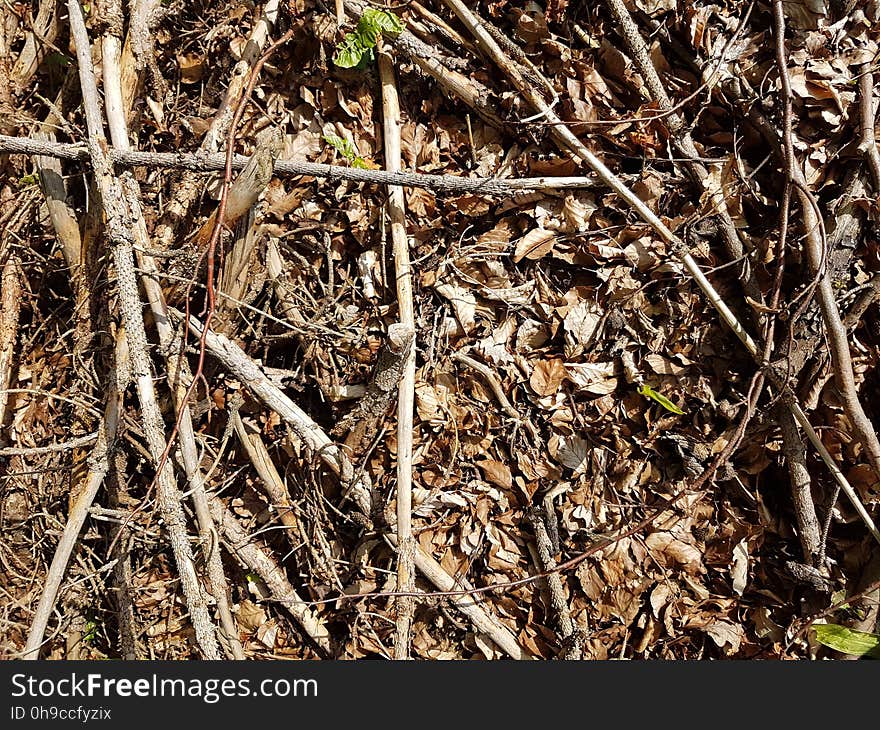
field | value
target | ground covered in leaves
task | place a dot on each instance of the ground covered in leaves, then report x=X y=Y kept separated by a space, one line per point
x=614 y=384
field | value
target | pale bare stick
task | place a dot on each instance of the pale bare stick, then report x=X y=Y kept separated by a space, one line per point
x=234 y=359
x=117 y=121
x=274 y=485
x=10 y=310
x=119 y=224
x=396 y=209
x=99 y=465
x=257 y=558
x=204 y=163
x=52 y=448
x=469 y=605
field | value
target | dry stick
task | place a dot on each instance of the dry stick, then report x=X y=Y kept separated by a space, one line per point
x=442 y=26
x=119 y=225
x=38 y=41
x=187 y=190
x=454 y=84
x=814 y=243
x=60 y=213
x=683 y=142
x=605 y=541
x=500 y=395
x=460 y=591
x=265 y=468
x=99 y=465
x=572 y=144
x=10 y=310
x=868 y=144
x=804 y=507
x=52 y=448
x=233 y=358
x=116 y=118
x=249 y=373
x=572 y=648
x=406 y=386
x=256 y=557
x=448 y=184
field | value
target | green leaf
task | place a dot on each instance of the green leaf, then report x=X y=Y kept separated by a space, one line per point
x=91 y=631
x=349 y=53
x=380 y=21
x=343 y=146
x=26 y=181
x=649 y=392
x=848 y=641
x=357 y=47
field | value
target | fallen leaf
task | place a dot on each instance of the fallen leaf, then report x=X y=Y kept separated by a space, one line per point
x=534 y=245
x=547 y=376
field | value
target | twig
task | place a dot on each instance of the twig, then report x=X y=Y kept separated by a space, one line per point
x=799 y=476
x=310 y=433
x=187 y=190
x=683 y=142
x=98 y=468
x=119 y=225
x=495 y=385
x=116 y=118
x=572 y=648
x=572 y=144
x=274 y=485
x=814 y=244
x=406 y=385
x=10 y=310
x=449 y=184
x=455 y=84
x=257 y=558
x=867 y=121
x=52 y=448
x=461 y=593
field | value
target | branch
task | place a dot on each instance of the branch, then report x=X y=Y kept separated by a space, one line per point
x=120 y=222
x=198 y=162
x=815 y=245
x=406 y=384
x=99 y=465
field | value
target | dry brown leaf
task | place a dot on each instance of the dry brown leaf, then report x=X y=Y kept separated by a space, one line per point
x=547 y=376
x=496 y=472
x=192 y=67
x=536 y=244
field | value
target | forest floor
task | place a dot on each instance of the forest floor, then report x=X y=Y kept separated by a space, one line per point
x=496 y=419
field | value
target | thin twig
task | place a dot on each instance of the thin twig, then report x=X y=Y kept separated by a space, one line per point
x=99 y=466
x=119 y=225
x=205 y=163
x=815 y=245
x=406 y=386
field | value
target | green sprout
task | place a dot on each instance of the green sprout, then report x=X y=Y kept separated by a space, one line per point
x=347 y=149
x=356 y=49
x=649 y=392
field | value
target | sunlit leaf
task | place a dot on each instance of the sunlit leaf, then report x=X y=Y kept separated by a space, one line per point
x=848 y=641
x=649 y=392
